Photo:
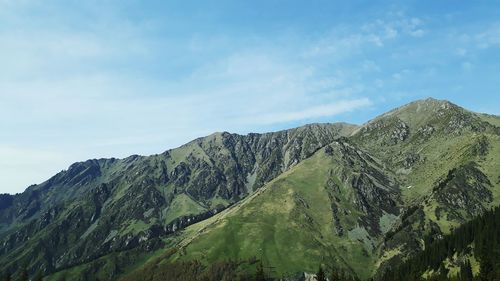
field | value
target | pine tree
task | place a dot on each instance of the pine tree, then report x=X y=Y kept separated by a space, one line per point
x=486 y=269
x=7 y=276
x=320 y=276
x=24 y=275
x=466 y=272
x=334 y=276
x=259 y=275
x=38 y=277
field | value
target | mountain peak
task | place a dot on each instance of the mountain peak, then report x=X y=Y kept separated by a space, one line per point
x=427 y=105
x=419 y=112
x=317 y=182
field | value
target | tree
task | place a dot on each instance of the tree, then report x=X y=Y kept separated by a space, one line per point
x=485 y=269
x=24 y=275
x=259 y=275
x=7 y=276
x=334 y=276
x=466 y=272
x=320 y=276
x=38 y=276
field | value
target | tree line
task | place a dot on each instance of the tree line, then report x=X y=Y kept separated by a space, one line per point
x=479 y=238
x=23 y=276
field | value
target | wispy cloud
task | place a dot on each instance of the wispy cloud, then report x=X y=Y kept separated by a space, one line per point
x=489 y=37
x=324 y=110
x=105 y=80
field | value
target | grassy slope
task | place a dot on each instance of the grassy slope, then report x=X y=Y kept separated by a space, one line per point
x=271 y=223
x=274 y=225
x=182 y=205
x=438 y=154
x=288 y=224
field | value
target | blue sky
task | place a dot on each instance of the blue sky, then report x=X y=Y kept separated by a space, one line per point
x=92 y=79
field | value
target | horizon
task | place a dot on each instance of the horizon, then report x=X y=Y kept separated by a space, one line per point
x=290 y=128
x=101 y=80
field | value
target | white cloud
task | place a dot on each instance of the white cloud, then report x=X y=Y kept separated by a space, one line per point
x=324 y=110
x=103 y=115
x=489 y=38
x=111 y=88
x=461 y=52
x=467 y=66
x=417 y=33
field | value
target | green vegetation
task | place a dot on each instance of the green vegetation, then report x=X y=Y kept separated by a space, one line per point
x=182 y=205
x=339 y=200
x=478 y=240
x=268 y=224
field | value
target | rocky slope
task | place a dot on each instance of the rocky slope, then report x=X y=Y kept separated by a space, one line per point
x=100 y=206
x=446 y=159
x=357 y=198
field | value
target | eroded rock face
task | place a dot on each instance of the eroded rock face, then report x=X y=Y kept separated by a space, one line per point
x=459 y=196
x=400 y=132
x=105 y=205
x=388 y=131
x=411 y=159
x=111 y=205
x=464 y=189
x=426 y=131
x=375 y=193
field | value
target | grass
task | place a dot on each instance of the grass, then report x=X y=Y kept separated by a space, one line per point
x=107 y=265
x=134 y=227
x=182 y=205
x=288 y=224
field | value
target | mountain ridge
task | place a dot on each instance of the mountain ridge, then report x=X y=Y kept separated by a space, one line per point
x=140 y=205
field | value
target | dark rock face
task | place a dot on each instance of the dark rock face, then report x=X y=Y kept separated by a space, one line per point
x=104 y=206
x=464 y=189
x=375 y=194
x=407 y=140
x=461 y=196
x=180 y=175
x=6 y=201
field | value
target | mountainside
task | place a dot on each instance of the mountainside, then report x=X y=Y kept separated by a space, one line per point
x=472 y=249
x=360 y=199
x=119 y=202
x=333 y=208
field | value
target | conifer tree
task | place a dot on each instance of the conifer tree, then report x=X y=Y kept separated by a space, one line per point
x=320 y=276
x=259 y=275
x=24 y=275
x=7 y=276
x=466 y=272
x=334 y=276
x=38 y=277
x=485 y=270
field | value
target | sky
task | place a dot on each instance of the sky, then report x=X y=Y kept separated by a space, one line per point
x=93 y=79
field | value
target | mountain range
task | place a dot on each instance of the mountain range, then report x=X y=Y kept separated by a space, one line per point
x=357 y=199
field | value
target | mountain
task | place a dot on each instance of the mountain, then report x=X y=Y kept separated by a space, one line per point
x=118 y=202
x=360 y=199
